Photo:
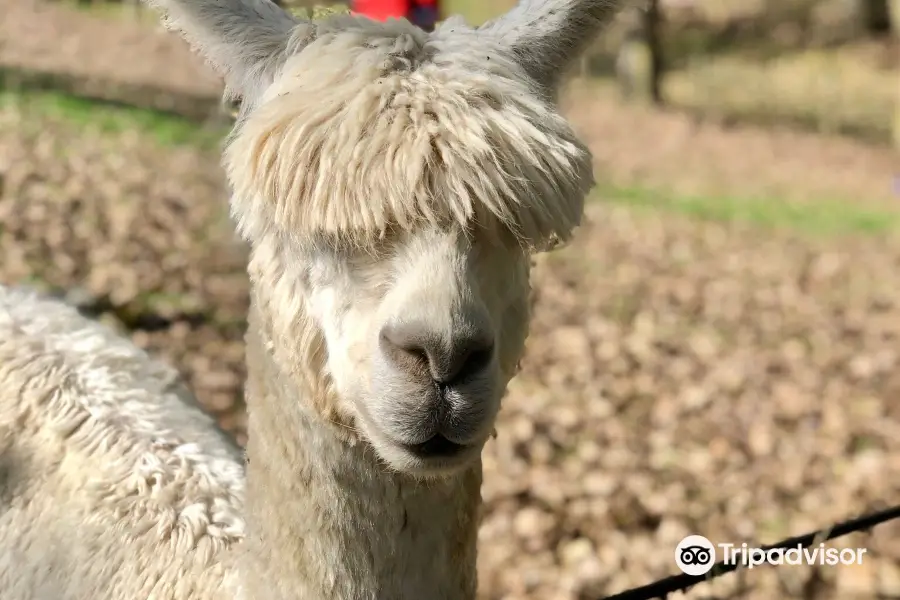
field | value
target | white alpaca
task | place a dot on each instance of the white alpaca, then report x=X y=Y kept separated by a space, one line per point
x=392 y=185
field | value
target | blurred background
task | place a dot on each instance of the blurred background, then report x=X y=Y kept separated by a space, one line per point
x=717 y=353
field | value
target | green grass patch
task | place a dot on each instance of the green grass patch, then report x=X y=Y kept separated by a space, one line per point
x=477 y=12
x=823 y=217
x=838 y=91
x=38 y=107
x=115 y=10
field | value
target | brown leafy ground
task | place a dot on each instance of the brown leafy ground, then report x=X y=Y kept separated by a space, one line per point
x=59 y=38
x=682 y=376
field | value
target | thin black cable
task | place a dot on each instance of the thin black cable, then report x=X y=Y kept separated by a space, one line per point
x=681 y=583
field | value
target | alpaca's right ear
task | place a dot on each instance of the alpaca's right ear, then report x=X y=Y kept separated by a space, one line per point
x=244 y=40
x=548 y=36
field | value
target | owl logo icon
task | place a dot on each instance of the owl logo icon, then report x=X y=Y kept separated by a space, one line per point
x=695 y=555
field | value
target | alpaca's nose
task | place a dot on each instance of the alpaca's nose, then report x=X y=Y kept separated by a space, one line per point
x=420 y=352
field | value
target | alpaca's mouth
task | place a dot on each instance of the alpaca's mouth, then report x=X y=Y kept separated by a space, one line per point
x=437 y=455
x=436 y=447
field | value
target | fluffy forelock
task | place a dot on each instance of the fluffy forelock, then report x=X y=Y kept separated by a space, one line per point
x=377 y=125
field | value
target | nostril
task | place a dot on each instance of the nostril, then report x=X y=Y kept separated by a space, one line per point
x=471 y=357
x=405 y=350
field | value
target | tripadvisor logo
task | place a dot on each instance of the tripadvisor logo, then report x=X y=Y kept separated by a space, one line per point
x=696 y=555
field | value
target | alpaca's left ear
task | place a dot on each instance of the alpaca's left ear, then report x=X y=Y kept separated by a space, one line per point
x=547 y=36
x=244 y=40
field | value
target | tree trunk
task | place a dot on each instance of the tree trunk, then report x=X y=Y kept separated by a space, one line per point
x=896 y=124
x=894 y=19
x=651 y=26
x=639 y=64
x=874 y=15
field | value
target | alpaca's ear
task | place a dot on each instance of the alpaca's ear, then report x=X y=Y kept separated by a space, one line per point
x=548 y=36
x=244 y=40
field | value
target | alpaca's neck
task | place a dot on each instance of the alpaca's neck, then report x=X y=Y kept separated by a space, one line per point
x=326 y=521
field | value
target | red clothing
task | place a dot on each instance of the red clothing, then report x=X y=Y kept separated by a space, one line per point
x=423 y=13
x=381 y=10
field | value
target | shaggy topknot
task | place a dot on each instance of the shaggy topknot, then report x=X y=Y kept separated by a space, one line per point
x=374 y=126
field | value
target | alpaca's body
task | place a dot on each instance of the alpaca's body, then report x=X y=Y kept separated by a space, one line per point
x=392 y=186
x=113 y=484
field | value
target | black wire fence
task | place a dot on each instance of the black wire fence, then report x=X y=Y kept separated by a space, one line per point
x=682 y=583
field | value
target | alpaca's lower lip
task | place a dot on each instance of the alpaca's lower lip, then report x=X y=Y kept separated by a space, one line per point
x=436 y=447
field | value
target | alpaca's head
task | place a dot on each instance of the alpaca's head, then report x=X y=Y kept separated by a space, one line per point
x=393 y=185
